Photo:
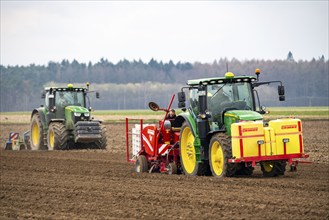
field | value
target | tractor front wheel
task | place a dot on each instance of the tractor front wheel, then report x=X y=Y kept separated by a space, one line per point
x=141 y=165
x=219 y=153
x=37 y=142
x=273 y=168
x=57 y=136
x=101 y=143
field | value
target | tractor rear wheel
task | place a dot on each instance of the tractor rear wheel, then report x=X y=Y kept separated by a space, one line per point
x=219 y=152
x=273 y=168
x=36 y=140
x=141 y=165
x=57 y=136
x=188 y=154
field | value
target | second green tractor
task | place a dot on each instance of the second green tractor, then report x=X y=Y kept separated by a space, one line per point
x=65 y=122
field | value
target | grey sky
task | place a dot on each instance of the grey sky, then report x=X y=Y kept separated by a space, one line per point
x=38 y=32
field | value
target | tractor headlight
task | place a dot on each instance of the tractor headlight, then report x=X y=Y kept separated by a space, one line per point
x=77 y=114
x=86 y=114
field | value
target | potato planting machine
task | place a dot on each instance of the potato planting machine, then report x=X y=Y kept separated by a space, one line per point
x=154 y=147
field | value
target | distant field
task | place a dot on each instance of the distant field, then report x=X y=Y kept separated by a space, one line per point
x=299 y=111
x=305 y=113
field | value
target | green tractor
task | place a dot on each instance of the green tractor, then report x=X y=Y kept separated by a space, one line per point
x=65 y=122
x=223 y=133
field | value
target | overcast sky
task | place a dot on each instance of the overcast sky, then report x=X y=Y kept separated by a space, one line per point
x=38 y=32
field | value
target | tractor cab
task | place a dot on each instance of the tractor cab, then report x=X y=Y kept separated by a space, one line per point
x=65 y=98
x=59 y=100
x=224 y=100
x=222 y=96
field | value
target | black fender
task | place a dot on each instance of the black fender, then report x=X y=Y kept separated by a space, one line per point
x=180 y=119
x=42 y=116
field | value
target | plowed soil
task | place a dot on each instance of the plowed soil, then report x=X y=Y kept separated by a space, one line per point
x=100 y=184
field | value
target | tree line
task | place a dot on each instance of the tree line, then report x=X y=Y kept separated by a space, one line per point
x=131 y=84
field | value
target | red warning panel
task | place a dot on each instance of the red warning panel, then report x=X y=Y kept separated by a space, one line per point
x=13 y=136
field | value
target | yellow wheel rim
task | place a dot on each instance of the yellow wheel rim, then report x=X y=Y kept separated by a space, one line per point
x=217 y=158
x=187 y=150
x=268 y=166
x=35 y=134
x=51 y=140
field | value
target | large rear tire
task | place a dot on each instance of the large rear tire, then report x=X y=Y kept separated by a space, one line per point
x=36 y=131
x=273 y=168
x=57 y=136
x=219 y=152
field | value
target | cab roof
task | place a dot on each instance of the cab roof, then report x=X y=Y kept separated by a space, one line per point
x=64 y=89
x=219 y=80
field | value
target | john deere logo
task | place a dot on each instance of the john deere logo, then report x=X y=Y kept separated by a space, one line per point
x=249 y=129
x=288 y=126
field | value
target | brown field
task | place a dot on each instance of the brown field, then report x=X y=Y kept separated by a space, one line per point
x=100 y=184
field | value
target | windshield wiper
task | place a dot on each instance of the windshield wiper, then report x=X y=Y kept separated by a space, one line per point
x=218 y=90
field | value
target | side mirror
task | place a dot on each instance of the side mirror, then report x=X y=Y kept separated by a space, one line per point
x=181 y=97
x=43 y=95
x=281 y=90
x=281 y=93
x=181 y=105
x=97 y=95
x=153 y=106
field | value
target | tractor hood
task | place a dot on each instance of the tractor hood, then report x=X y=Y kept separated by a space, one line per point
x=243 y=115
x=73 y=114
x=77 y=109
x=235 y=116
